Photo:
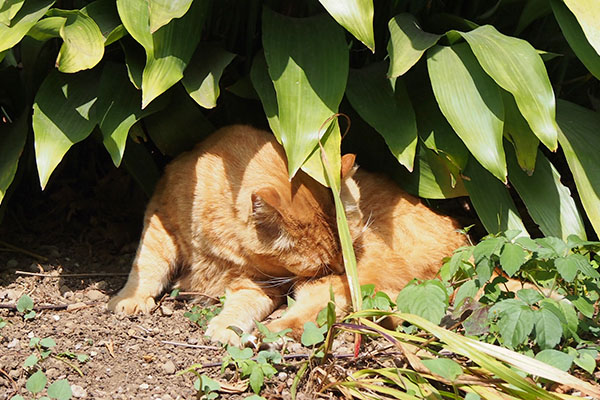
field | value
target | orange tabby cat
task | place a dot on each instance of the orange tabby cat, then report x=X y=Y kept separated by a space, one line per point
x=225 y=218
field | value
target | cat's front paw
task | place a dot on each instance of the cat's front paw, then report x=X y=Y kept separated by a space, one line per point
x=218 y=331
x=131 y=304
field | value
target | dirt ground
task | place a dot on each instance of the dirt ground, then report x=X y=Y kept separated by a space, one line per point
x=135 y=357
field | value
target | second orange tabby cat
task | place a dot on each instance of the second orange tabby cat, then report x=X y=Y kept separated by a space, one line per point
x=226 y=219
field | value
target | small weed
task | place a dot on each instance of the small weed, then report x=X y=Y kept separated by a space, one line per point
x=25 y=306
x=200 y=315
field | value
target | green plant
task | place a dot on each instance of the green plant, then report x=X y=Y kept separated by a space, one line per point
x=255 y=370
x=25 y=305
x=201 y=315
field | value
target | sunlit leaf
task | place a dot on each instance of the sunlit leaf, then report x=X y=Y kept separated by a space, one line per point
x=407 y=43
x=428 y=300
x=511 y=258
x=163 y=11
x=386 y=108
x=580 y=142
x=60 y=390
x=25 y=19
x=548 y=201
x=444 y=367
x=471 y=102
x=8 y=10
x=576 y=38
x=354 y=15
x=498 y=215
x=587 y=13
x=556 y=358
x=47 y=28
x=201 y=77
x=169 y=49
x=36 y=382
x=12 y=140
x=308 y=63
x=62 y=116
x=83 y=45
x=515 y=65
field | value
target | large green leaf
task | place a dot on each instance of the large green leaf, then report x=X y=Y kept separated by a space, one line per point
x=118 y=108
x=169 y=49
x=179 y=126
x=587 y=13
x=516 y=66
x=434 y=177
x=8 y=10
x=580 y=142
x=47 y=28
x=520 y=134
x=83 y=45
x=308 y=63
x=12 y=141
x=62 y=116
x=386 y=108
x=576 y=38
x=201 y=77
x=532 y=10
x=471 y=103
x=26 y=17
x=163 y=11
x=407 y=43
x=548 y=201
x=492 y=201
x=331 y=140
x=105 y=15
x=354 y=15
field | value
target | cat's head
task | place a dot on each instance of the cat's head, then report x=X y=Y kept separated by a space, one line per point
x=296 y=222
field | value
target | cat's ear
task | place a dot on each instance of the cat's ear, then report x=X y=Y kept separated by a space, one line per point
x=266 y=202
x=348 y=165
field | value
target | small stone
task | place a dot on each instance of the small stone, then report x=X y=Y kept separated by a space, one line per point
x=12 y=263
x=282 y=376
x=51 y=373
x=78 y=391
x=68 y=294
x=56 y=317
x=94 y=295
x=166 y=311
x=295 y=347
x=144 y=386
x=93 y=353
x=12 y=294
x=169 y=367
x=30 y=334
x=14 y=373
x=14 y=344
x=192 y=340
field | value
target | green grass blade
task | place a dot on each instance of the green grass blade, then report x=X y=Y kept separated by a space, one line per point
x=471 y=102
x=343 y=231
x=576 y=38
x=386 y=108
x=516 y=67
x=24 y=19
x=62 y=116
x=580 y=142
x=356 y=16
x=407 y=43
x=202 y=75
x=548 y=201
x=307 y=61
x=491 y=200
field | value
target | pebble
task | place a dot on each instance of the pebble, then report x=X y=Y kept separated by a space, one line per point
x=282 y=376
x=93 y=353
x=30 y=334
x=166 y=311
x=78 y=391
x=14 y=373
x=169 y=367
x=12 y=263
x=144 y=386
x=14 y=344
x=192 y=340
x=56 y=317
x=51 y=373
x=94 y=295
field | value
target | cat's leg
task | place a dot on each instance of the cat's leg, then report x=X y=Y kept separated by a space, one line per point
x=245 y=302
x=311 y=298
x=150 y=271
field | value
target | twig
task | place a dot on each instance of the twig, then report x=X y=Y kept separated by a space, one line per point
x=48 y=306
x=72 y=275
x=12 y=382
x=193 y=346
x=68 y=363
x=20 y=250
